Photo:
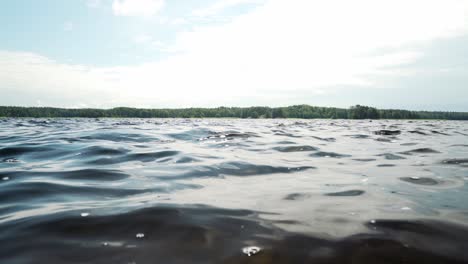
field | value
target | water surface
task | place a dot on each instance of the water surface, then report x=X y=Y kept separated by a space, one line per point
x=233 y=191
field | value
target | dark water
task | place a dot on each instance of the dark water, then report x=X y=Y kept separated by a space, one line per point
x=233 y=191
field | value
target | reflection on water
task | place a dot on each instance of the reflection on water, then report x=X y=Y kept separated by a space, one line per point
x=233 y=191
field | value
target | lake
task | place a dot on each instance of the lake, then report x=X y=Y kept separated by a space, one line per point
x=233 y=191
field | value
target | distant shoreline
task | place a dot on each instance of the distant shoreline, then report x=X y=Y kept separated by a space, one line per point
x=255 y=112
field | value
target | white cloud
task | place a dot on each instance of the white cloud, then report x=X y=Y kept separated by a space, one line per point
x=280 y=49
x=37 y=77
x=149 y=42
x=179 y=21
x=142 y=39
x=220 y=5
x=93 y=3
x=144 y=8
x=68 y=26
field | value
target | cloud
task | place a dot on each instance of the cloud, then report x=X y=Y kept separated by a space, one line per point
x=142 y=39
x=221 y=5
x=308 y=44
x=144 y=8
x=93 y=3
x=178 y=21
x=68 y=26
x=154 y=44
x=29 y=77
x=281 y=52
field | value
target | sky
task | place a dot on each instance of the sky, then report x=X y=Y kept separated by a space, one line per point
x=410 y=54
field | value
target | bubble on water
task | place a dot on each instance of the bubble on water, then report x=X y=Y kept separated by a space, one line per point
x=140 y=235
x=84 y=214
x=373 y=221
x=5 y=178
x=105 y=244
x=250 y=251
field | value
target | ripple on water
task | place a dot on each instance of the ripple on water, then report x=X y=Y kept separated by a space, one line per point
x=359 y=136
x=285 y=142
x=365 y=160
x=141 y=157
x=295 y=148
x=386 y=165
x=81 y=175
x=192 y=135
x=387 y=139
x=420 y=180
x=102 y=151
x=459 y=145
x=296 y=196
x=187 y=159
x=236 y=169
x=417 y=132
x=284 y=133
x=10 y=160
x=11 y=152
x=409 y=144
x=118 y=137
x=78 y=191
x=228 y=136
x=455 y=161
x=420 y=151
x=329 y=139
x=387 y=132
x=36 y=152
x=92 y=174
x=440 y=133
x=323 y=154
x=390 y=156
x=347 y=193
x=211 y=235
x=42 y=191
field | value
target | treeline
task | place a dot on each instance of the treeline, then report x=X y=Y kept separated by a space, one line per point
x=295 y=111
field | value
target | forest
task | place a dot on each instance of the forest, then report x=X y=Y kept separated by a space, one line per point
x=295 y=111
